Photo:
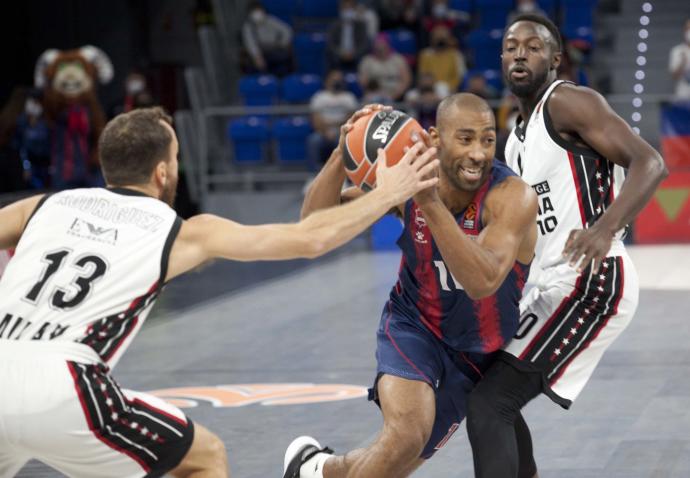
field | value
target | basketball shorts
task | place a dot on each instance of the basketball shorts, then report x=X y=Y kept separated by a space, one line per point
x=567 y=321
x=410 y=351
x=72 y=416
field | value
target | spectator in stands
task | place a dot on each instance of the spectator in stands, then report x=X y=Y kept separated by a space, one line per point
x=443 y=60
x=424 y=99
x=476 y=83
x=387 y=67
x=347 y=38
x=330 y=108
x=32 y=141
x=374 y=93
x=268 y=41
x=370 y=19
x=525 y=6
x=405 y=14
x=10 y=164
x=442 y=14
x=679 y=65
x=136 y=94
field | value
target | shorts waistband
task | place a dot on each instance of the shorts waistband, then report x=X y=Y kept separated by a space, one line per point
x=62 y=349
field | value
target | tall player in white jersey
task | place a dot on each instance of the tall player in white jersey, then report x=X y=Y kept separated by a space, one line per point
x=571 y=148
x=89 y=265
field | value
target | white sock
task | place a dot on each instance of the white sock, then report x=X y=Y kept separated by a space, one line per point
x=314 y=467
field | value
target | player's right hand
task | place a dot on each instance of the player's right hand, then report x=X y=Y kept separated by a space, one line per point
x=417 y=170
x=349 y=124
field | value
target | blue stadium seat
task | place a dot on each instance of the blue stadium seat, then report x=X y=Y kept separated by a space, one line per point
x=385 y=233
x=462 y=5
x=494 y=78
x=486 y=48
x=291 y=138
x=259 y=90
x=403 y=41
x=299 y=88
x=283 y=9
x=320 y=8
x=249 y=137
x=582 y=36
x=493 y=13
x=550 y=7
x=310 y=53
x=352 y=84
x=578 y=13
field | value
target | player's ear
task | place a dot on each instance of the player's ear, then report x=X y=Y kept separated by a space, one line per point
x=433 y=133
x=161 y=174
x=556 y=60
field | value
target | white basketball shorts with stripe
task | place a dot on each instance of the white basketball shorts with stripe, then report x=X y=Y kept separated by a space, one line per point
x=567 y=321
x=60 y=405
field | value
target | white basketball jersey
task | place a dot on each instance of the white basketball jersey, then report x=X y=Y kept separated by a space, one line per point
x=574 y=185
x=88 y=268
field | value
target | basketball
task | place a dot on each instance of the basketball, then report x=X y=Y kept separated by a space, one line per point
x=390 y=130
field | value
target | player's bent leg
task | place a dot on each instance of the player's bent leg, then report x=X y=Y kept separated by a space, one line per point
x=527 y=467
x=206 y=458
x=493 y=409
x=408 y=408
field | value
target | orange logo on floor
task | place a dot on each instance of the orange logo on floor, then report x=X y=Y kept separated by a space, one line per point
x=241 y=395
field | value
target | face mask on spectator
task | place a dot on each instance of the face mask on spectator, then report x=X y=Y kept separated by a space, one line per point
x=258 y=16
x=441 y=43
x=338 y=85
x=348 y=14
x=526 y=7
x=134 y=86
x=440 y=10
x=33 y=108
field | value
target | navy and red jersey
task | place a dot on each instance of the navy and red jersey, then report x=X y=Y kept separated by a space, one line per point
x=426 y=292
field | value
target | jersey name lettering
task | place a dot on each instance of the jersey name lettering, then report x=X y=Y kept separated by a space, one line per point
x=547 y=222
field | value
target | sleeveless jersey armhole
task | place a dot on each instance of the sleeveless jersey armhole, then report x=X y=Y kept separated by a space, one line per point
x=165 y=256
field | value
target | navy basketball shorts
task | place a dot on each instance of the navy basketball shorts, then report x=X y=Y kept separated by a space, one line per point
x=412 y=352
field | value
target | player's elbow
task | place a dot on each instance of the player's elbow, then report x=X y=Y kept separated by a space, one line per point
x=481 y=290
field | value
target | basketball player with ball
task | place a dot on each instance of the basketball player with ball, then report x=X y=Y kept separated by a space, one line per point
x=467 y=246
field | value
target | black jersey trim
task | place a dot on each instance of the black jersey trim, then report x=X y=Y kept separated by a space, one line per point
x=165 y=256
x=560 y=140
x=38 y=206
x=127 y=192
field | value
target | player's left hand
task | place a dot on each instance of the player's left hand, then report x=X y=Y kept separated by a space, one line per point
x=586 y=245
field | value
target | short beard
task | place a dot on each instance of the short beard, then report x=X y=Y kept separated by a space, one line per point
x=530 y=89
x=169 y=193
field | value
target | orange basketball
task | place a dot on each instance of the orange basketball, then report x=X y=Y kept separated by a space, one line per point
x=389 y=130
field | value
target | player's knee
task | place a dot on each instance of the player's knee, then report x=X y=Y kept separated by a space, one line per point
x=216 y=452
x=408 y=439
x=485 y=409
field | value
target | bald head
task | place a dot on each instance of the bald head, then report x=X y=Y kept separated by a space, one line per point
x=460 y=103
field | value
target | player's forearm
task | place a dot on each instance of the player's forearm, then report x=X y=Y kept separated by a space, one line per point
x=473 y=266
x=324 y=192
x=333 y=227
x=644 y=176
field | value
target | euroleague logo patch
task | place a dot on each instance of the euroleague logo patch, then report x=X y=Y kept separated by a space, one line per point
x=268 y=394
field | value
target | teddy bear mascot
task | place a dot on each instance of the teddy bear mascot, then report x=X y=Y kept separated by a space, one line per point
x=68 y=80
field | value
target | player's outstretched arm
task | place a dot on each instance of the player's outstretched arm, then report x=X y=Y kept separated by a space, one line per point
x=584 y=113
x=206 y=236
x=13 y=219
x=481 y=266
x=326 y=190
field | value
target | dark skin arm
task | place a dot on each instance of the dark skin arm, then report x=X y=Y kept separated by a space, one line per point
x=326 y=190
x=481 y=266
x=583 y=116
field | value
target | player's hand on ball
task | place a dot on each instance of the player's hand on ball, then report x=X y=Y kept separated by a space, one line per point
x=416 y=171
x=349 y=124
x=586 y=245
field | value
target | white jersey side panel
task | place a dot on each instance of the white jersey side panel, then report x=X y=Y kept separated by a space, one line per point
x=87 y=269
x=574 y=185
